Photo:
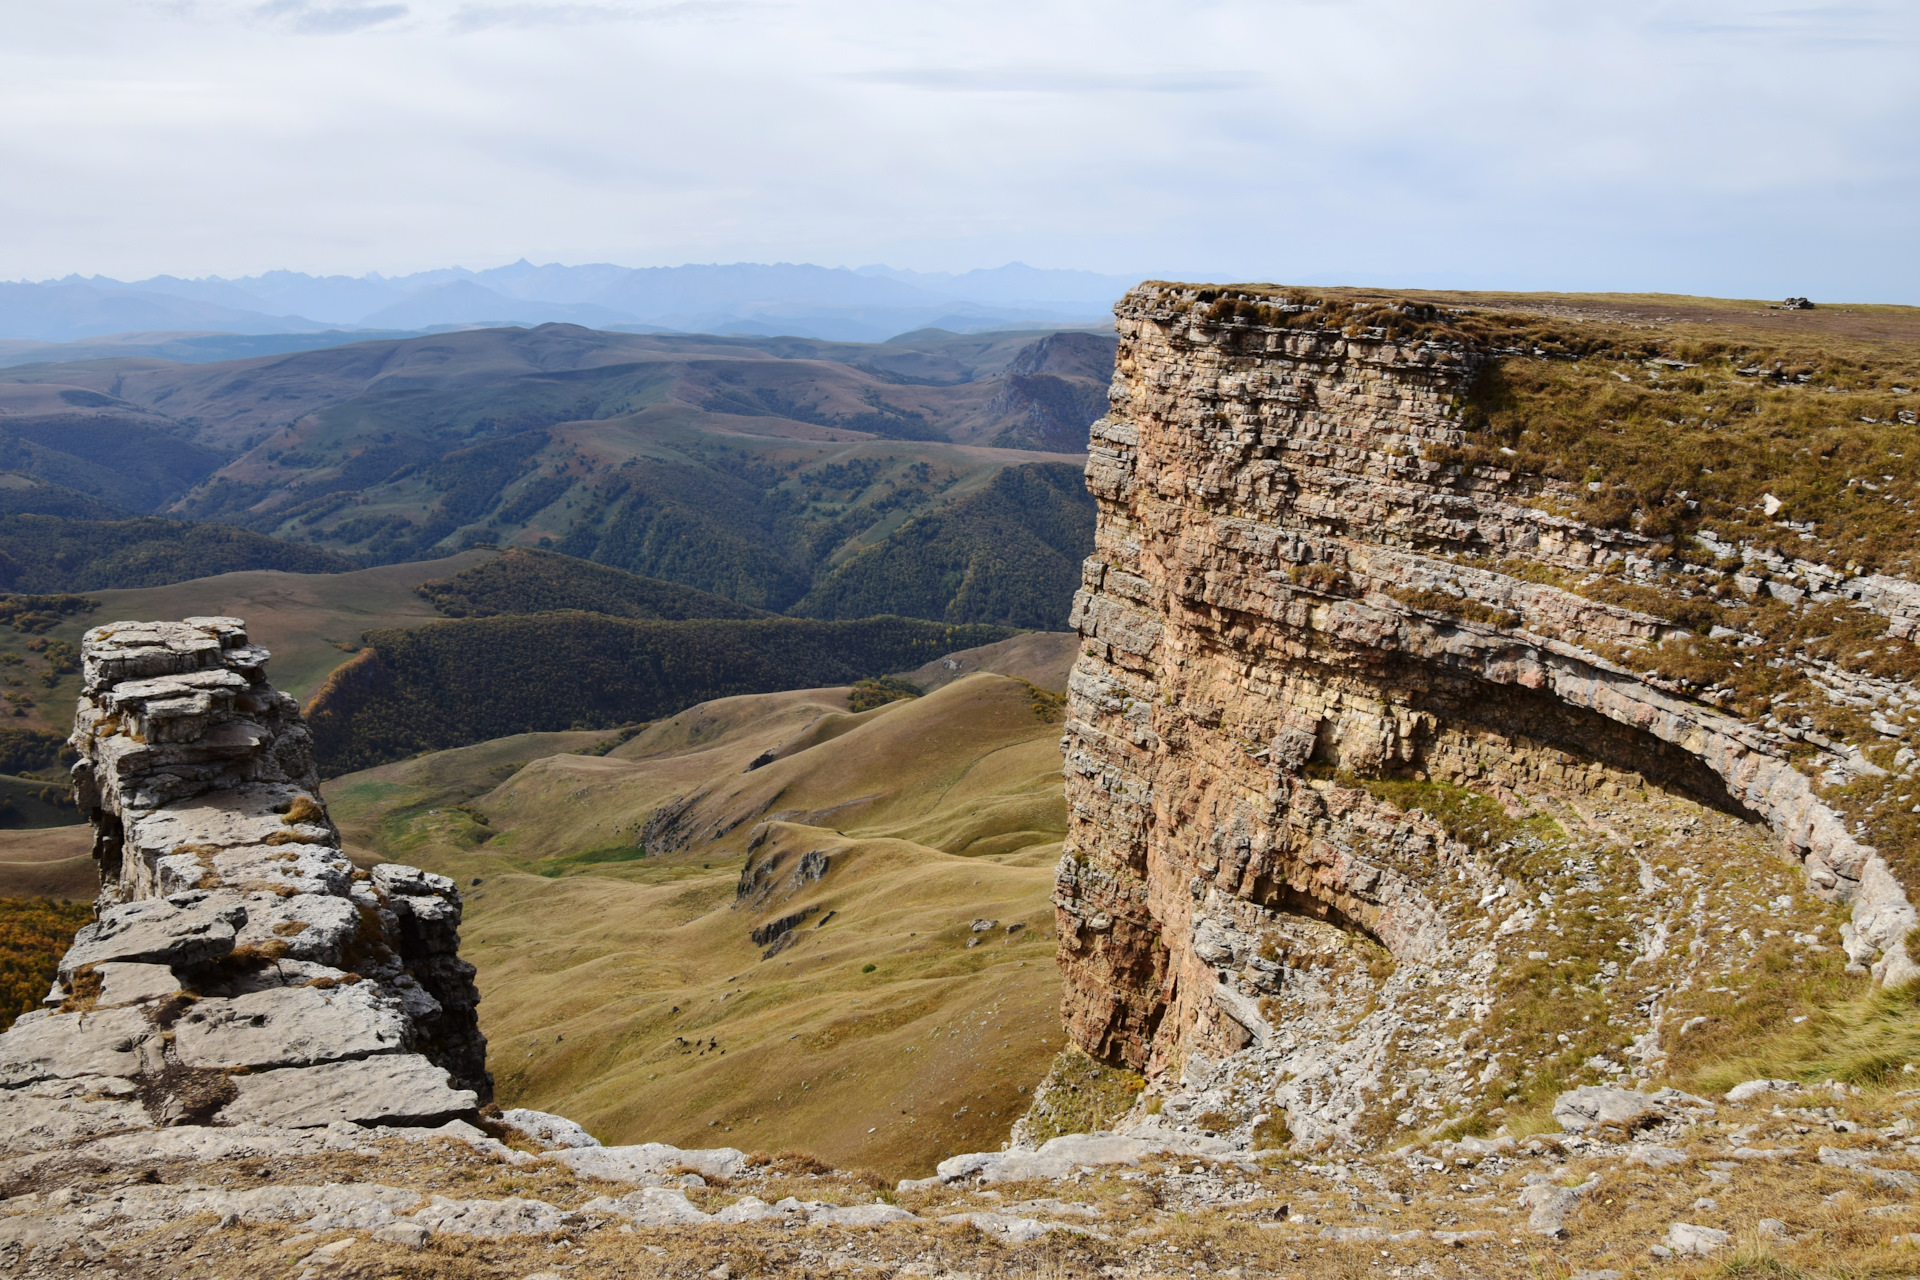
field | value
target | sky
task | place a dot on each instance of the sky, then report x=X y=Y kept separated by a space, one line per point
x=1697 y=146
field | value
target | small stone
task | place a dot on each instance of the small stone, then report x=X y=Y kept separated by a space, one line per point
x=1686 y=1238
x=410 y=1235
x=1754 y=1088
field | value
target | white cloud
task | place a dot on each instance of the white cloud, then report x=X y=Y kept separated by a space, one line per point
x=1705 y=145
x=329 y=19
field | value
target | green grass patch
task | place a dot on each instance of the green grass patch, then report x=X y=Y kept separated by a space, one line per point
x=1082 y=1095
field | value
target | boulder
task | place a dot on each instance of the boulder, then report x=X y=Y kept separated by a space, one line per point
x=548 y=1130
x=1552 y=1203
x=1598 y=1106
x=1754 y=1088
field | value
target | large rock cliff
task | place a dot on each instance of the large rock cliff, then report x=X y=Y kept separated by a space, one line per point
x=241 y=969
x=1357 y=792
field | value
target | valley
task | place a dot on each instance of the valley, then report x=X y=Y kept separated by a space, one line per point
x=754 y=922
x=777 y=472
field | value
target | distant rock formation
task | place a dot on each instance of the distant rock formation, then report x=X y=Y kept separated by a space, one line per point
x=1295 y=604
x=241 y=969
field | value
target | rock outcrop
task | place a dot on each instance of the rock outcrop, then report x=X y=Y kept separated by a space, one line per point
x=1296 y=606
x=241 y=970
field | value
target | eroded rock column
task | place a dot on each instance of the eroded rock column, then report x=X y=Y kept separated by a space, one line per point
x=241 y=969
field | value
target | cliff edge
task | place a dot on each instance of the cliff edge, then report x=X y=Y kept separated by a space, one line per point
x=1386 y=812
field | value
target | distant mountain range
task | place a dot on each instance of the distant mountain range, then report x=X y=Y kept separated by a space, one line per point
x=865 y=305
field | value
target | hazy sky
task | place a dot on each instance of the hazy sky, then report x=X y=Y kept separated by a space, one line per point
x=1698 y=146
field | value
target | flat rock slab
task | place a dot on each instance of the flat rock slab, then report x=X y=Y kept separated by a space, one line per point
x=1055 y=1159
x=289 y=1026
x=400 y=1088
x=123 y=982
x=55 y=1112
x=492 y=1219
x=356 y=1206
x=650 y=1159
x=105 y=1042
x=188 y=929
x=235 y=1142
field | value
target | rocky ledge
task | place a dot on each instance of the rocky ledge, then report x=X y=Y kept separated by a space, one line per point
x=241 y=970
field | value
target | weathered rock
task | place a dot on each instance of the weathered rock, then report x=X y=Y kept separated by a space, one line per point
x=1754 y=1088
x=290 y=1027
x=491 y=1219
x=49 y=1113
x=128 y=983
x=1862 y=1162
x=648 y=1160
x=548 y=1130
x=390 y=1089
x=1600 y=1107
x=1685 y=1238
x=1010 y=1229
x=1293 y=595
x=188 y=929
x=651 y=1207
x=236 y=946
x=1551 y=1203
x=106 y=1042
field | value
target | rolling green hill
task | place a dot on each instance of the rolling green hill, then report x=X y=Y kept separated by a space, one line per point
x=526 y=581
x=52 y=553
x=465 y=681
x=743 y=467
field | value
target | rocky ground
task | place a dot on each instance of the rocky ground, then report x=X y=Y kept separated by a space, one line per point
x=1775 y=1180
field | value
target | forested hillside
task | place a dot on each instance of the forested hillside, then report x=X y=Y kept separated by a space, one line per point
x=748 y=468
x=459 y=682
x=526 y=581
x=52 y=553
x=1009 y=554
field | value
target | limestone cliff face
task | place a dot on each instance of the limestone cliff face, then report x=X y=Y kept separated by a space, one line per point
x=1280 y=623
x=241 y=969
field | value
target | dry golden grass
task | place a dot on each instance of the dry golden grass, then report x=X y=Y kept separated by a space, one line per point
x=625 y=992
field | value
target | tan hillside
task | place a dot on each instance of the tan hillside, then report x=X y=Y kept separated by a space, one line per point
x=628 y=992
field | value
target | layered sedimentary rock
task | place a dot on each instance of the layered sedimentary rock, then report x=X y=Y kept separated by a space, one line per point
x=1290 y=603
x=241 y=969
